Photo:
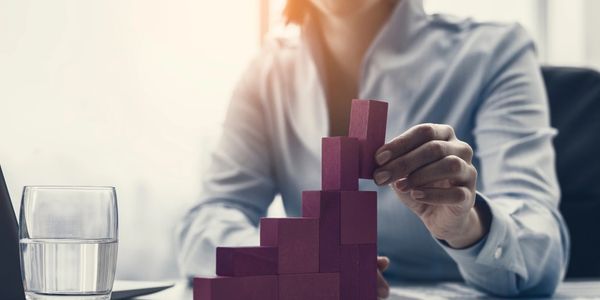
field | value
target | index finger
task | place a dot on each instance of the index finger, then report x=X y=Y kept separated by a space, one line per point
x=411 y=139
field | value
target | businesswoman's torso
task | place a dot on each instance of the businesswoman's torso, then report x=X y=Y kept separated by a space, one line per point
x=430 y=69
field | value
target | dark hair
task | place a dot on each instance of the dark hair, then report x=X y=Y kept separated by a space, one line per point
x=295 y=10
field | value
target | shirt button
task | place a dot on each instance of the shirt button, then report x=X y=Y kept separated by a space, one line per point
x=498 y=253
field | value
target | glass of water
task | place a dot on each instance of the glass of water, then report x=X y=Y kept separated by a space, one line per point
x=68 y=240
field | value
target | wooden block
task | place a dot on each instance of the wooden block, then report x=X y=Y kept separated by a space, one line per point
x=297 y=240
x=358 y=217
x=318 y=286
x=358 y=272
x=227 y=288
x=339 y=161
x=349 y=272
x=246 y=261
x=368 y=119
x=325 y=205
x=367 y=272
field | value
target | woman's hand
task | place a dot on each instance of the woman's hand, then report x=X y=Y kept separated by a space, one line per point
x=383 y=288
x=431 y=171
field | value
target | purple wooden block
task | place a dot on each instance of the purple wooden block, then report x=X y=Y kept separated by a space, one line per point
x=297 y=240
x=339 y=163
x=316 y=286
x=226 y=288
x=358 y=217
x=325 y=205
x=368 y=119
x=246 y=261
x=358 y=272
x=349 y=272
x=367 y=272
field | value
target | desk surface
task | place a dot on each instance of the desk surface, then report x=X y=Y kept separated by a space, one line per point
x=584 y=289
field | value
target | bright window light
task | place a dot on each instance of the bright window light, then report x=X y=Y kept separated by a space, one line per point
x=124 y=93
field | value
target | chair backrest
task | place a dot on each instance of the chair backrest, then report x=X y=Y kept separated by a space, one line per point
x=11 y=286
x=574 y=95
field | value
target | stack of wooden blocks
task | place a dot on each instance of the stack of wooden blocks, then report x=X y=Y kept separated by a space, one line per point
x=330 y=252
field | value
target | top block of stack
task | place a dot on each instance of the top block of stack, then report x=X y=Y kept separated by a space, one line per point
x=368 y=119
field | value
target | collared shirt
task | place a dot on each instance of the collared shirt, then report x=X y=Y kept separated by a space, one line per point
x=480 y=78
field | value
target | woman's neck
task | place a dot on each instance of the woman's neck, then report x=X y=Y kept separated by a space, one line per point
x=347 y=38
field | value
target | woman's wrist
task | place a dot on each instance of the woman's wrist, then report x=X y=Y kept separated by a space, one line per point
x=473 y=231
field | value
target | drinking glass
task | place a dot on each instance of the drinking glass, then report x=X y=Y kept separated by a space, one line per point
x=68 y=242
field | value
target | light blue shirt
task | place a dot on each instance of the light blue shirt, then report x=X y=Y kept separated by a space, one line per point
x=480 y=78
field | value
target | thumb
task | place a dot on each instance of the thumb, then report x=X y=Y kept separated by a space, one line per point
x=383 y=262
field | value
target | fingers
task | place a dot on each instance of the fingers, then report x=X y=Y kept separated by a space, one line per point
x=413 y=138
x=383 y=288
x=434 y=196
x=452 y=169
x=431 y=151
x=383 y=262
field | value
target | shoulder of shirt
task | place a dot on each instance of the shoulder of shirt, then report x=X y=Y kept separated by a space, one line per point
x=483 y=35
x=490 y=46
x=277 y=56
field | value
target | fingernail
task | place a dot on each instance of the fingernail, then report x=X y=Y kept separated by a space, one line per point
x=382 y=176
x=383 y=157
x=418 y=194
x=401 y=184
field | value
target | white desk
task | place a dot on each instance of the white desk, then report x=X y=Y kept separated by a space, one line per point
x=585 y=289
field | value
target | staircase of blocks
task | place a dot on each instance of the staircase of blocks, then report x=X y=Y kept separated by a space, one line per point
x=330 y=252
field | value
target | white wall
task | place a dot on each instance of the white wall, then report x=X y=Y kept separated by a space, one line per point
x=120 y=92
x=592 y=33
x=573 y=36
x=566 y=33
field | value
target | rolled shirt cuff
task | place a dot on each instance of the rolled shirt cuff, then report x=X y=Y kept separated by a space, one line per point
x=499 y=248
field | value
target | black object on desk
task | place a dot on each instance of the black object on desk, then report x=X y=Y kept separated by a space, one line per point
x=11 y=284
x=574 y=95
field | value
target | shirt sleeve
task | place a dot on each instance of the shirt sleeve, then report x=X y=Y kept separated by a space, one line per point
x=238 y=186
x=527 y=247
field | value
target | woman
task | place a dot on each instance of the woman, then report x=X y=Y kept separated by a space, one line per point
x=455 y=88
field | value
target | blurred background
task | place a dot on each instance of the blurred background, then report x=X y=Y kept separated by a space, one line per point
x=131 y=93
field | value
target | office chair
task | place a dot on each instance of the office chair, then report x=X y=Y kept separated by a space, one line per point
x=574 y=95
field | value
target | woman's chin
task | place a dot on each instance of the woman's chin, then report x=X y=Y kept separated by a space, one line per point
x=346 y=9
